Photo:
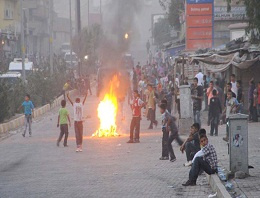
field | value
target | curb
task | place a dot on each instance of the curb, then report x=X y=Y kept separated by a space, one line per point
x=18 y=122
x=217 y=186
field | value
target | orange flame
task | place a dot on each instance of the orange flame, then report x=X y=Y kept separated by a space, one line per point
x=107 y=112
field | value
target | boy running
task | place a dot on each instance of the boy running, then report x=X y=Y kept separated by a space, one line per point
x=78 y=120
x=169 y=125
x=28 y=112
x=206 y=159
x=63 y=120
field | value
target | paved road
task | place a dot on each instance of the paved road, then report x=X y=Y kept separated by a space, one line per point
x=34 y=167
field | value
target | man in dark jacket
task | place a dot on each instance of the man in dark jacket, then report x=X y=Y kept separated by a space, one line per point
x=214 y=111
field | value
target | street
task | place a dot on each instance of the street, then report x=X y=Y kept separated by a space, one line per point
x=108 y=167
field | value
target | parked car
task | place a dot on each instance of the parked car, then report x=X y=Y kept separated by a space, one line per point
x=16 y=66
x=10 y=77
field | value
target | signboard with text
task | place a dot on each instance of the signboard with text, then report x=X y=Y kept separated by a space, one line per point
x=199 y=21
x=199 y=1
x=199 y=24
x=199 y=33
x=199 y=9
x=199 y=44
x=236 y=13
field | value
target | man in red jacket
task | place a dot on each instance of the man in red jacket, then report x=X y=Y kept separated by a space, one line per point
x=136 y=105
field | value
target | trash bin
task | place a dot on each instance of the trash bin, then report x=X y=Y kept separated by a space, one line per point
x=238 y=143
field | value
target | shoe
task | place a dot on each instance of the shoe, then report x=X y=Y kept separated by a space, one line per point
x=173 y=159
x=150 y=127
x=216 y=134
x=164 y=158
x=80 y=150
x=23 y=135
x=58 y=144
x=77 y=150
x=137 y=141
x=130 y=141
x=225 y=139
x=187 y=164
x=30 y=135
x=66 y=146
x=189 y=183
x=211 y=134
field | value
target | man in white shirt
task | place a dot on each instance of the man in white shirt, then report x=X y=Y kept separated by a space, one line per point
x=234 y=83
x=200 y=78
x=78 y=120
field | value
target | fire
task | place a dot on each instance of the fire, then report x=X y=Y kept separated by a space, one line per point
x=107 y=112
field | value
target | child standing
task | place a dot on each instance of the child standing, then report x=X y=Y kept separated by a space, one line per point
x=63 y=120
x=231 y=105
x=28 y=113
x=78 y=120
x=214 y=111
x=169 y=130
x=206 y=160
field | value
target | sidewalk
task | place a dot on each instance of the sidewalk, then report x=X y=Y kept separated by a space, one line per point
x=250 y=186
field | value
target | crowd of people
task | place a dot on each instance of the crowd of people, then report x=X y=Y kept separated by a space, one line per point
x=154 y=87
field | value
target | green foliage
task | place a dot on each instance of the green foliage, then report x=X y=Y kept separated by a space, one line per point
x=42 y=88
x=176 y=8
x=252 y=11
x=88 y=42
x=162 y=31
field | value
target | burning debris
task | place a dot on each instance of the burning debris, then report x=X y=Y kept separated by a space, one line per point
x=107 y=111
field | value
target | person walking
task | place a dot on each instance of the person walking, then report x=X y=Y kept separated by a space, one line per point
x=78 y=120
x=28 y=114
x=63 y=121
x=136 y=106
x=199 y=76
x=151 y=107
x=197 y=96
x=214 y=111
x=251 y=99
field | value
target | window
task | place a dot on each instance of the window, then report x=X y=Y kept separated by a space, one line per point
x=9 y=9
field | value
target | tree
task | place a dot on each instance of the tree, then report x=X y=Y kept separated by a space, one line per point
x=175 y=9
x=162 y=31
x=252 y=11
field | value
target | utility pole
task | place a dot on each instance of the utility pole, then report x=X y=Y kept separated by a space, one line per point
x=70 y=36
x=51 y=34
x=22 y=42
x=78 y=19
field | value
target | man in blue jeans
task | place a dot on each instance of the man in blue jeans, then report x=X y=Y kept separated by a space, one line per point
x=205 y=159
x=28 y=111
x=197 y=97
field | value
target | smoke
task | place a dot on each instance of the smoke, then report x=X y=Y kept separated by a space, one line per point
x=118 y=19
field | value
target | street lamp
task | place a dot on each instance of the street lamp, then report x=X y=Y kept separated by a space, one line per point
x=86 y=57
x=126 y=36
x=3 y=42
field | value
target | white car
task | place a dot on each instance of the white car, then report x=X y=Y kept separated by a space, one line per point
x=10 y=77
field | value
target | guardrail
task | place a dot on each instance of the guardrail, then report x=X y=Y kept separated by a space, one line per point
x=18 y=122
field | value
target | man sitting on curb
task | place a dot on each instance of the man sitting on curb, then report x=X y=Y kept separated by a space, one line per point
x=205 y=159
x=192 y=144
